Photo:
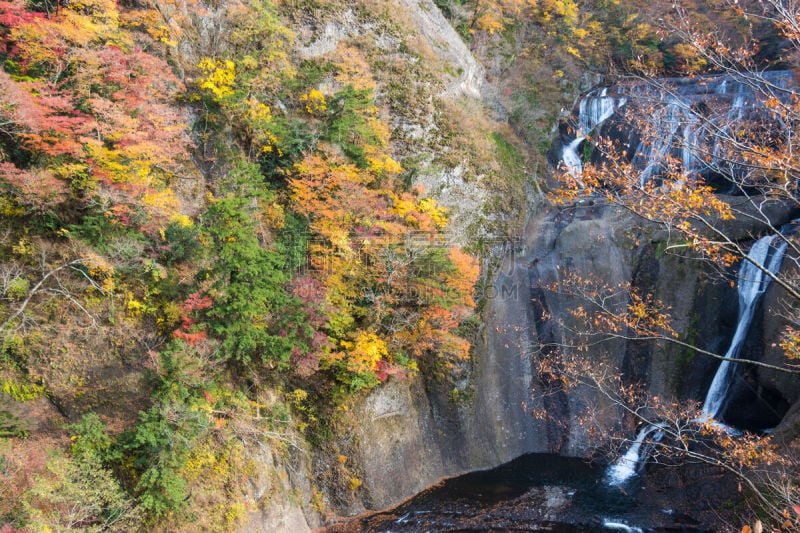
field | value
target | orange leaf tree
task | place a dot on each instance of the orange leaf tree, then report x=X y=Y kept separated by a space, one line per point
x=394 y=293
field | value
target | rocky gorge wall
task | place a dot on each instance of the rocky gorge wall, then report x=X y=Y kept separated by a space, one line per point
x=407 y=434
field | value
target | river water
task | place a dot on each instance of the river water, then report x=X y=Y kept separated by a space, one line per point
x=536 y=492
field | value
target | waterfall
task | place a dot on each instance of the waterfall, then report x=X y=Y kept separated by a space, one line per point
x=751 y=284
x=693 y=138
x=594 y=109
x=627 y=465
x=685 y=119
x=653 y=151
x=571 y=159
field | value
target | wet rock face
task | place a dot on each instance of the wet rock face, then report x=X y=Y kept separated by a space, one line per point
x=754 y=406
x=592 y=241
x=603 y=243
x=762 y=398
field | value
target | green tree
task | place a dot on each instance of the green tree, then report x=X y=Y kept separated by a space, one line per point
x=252 y=308
x=155 y=451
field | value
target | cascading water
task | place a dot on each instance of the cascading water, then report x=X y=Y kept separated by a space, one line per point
x=652 y=153
x=594 y=109
x=628 y=465
x=685 y=121
x=572 y=161
x=621 y=526
x=751 y=284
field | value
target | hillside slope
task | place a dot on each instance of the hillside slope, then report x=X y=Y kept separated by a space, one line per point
x=221 y=225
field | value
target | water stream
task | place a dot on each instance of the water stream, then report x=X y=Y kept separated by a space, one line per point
x=629 y=463
x=752 y=283
x=594 y=109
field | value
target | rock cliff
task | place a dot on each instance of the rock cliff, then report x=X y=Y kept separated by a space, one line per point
x=411 y=437
x=407 y=434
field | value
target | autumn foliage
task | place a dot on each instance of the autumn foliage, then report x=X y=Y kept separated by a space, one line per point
x=91 y=114
x=234 y=220
x=394 y=291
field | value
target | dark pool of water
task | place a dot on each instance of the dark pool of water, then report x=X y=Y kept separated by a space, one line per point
x=536 y=492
